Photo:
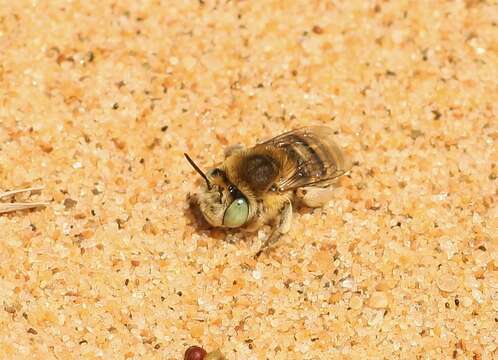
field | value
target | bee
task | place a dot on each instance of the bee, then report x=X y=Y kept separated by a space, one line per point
x=260 y=185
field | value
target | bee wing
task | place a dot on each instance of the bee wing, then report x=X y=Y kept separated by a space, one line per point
x=313 y=158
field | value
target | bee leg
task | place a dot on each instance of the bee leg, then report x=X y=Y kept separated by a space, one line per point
x=232 y=149
x=315 y=197
x=283 y=224
x=192 y=199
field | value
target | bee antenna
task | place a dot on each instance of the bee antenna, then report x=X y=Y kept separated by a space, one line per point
x=196 y=168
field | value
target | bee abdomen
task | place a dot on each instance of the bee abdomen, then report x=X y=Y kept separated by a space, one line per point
x=308 y=154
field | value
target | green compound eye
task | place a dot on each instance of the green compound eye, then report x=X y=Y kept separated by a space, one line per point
x=236 y=214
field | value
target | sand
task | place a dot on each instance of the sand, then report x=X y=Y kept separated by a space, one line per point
x=98 y=102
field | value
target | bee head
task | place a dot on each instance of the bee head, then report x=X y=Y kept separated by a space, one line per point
x=212 y=203
x=220 y=202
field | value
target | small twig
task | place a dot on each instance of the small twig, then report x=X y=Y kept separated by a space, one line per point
x=10 y=207
x=20 y=191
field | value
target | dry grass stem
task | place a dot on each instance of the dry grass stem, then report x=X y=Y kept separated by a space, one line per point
x=15 y=206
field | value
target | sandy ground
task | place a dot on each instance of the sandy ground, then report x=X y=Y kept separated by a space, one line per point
x=98 y=102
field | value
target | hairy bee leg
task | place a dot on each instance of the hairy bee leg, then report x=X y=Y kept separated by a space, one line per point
x=232 y=149
x=284 y=222
x=192 y=198
x=315 y=197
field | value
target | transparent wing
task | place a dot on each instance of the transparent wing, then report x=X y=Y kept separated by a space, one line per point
x=313 y=158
